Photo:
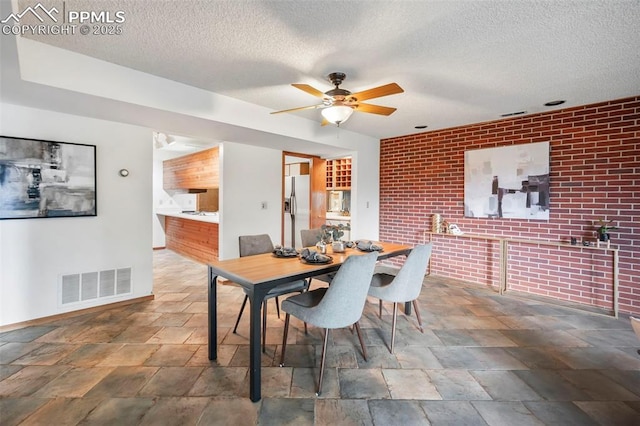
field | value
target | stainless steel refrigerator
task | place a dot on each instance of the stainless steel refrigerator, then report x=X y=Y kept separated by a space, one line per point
x=297 y=209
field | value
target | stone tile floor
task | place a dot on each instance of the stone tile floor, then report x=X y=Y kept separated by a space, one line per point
x=483 y=359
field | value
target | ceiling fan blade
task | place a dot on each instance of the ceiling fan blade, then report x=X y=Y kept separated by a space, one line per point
x=299 y=108
x=375 y=109
x=310 y=90
x=377 y=92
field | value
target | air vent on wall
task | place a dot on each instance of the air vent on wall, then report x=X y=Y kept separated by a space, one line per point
x=89 y=286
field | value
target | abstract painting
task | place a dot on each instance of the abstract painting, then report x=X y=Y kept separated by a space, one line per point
x=507 y=182
x=40 y=179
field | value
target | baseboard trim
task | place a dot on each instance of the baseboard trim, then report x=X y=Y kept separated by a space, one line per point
x=159 y=248
x=38 y=321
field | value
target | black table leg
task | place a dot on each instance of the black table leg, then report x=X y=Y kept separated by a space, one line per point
x=255 y=351
x=213 y=314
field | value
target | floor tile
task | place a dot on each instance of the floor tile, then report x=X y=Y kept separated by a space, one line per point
x=344 y=412
x=457 y=385
x=90 y=354
x=27 y=334
x=118 y=411
x=136 y=334
x=73 y=383
x=223 y=412
x=559 y=413
x=173 y=319
x=130 y=354
x=397 y=413
x=537 y=358
x=278 y=412
x=8 y=370
x=122 y=382
x=610 y=412
x=595 y=358
x=30 y=379
x=505 y=386
x=174 y=335
x=172 y=355
x=452 y=413
x=46 y=354
x=175 y=412
x=14 y=410
x=410 y=384
x=227 y=381
x=550 y=385
x=506 y=413
x=171 y=381
x=597 y=386
x=355 y=384
x=417 y=357
x=629 y=379
x=11 y=351
x=62 y=411
x=305 y=382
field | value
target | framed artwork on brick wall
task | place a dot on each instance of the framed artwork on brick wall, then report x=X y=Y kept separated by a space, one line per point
x=507 y=182
x=42 y=179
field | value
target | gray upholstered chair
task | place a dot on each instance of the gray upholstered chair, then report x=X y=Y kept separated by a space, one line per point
x=635 y=324
x=403 y=287
x=339 y=305
x=309 y=238
x=251 y=245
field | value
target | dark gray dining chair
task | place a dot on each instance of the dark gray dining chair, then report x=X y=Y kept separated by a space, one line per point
x=251 y=245
x=403 y=287
x=337 y=306
x=635 y=324
x=309 y=238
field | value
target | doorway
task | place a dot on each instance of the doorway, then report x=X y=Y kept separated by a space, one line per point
x=303 y=195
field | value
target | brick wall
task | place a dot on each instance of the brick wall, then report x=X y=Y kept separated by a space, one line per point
x=595 y=173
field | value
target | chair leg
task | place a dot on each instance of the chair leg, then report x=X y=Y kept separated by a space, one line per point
x=284 y=339
x=380 y=308
x=264 y=326
x=415 y=308
x=278 y=307
x=393 y=325
x=244 y=302
x=364 y=348
x=305 y=328
x=322 y=358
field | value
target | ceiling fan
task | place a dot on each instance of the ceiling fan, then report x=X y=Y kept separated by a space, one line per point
x=338 y=104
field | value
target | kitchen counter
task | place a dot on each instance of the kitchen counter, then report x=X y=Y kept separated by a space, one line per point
x=337 y=216
x=207 y=217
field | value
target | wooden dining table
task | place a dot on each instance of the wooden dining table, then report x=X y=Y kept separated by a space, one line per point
x=257 y=275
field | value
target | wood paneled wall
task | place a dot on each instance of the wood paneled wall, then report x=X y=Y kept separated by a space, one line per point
x=200 y=170
x=192 y=238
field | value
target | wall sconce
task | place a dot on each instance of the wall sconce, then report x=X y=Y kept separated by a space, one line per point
x=124 y=172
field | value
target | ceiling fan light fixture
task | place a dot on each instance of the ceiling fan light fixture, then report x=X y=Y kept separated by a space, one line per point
x=337 y=114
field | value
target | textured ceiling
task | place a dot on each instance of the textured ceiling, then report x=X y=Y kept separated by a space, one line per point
x=459 y=62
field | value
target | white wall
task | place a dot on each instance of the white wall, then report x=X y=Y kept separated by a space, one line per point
x=35 y=252
x=365 y=193
x=248 y=176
